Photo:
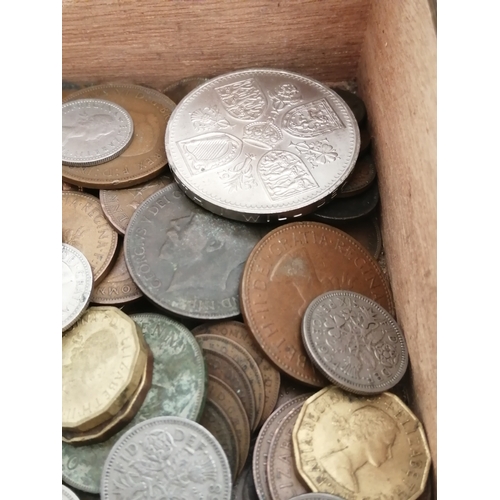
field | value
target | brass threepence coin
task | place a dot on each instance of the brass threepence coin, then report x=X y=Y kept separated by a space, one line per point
x=145 y=156
x=261 y=144
x=178 y=90
x=226 y=369
x=120 y=204
x=355 y=103
x=94 y=131
x=218 y=424
x=290 y=267
x=361 y=177
x=290 y=389
x=366 y=230
x=186 y=260
x=244 y=488
x=245 y=361
x=284 y=480
x=172 y=458
x=261 y=450
x=104 y=431
x=178 y=389
x=67 y=494
x=361 y=447
x=103 y=361
x=117 y=287
x=354 y=342
x=85 y=228
x=228 y=400
x=237 y=331
x=76 y=285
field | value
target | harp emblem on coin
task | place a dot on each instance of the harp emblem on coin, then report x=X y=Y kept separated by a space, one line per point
x=208 y=151
x=243 y=100
x=312 y=119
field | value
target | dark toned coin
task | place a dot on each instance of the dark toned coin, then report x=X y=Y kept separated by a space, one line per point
x=177 y=90
x=284 y=480
x=120 y=204
x=145 y=156
x=290 y=267
x=186 y=260
x=244 y=488
x=342 y=209
x=219 y=392
x=226 y=369
x=354 y=102
x=237 y=331
x=261 y=450
x=218 y=424
x=366 y=140
x=359 y=180
x=290 y=389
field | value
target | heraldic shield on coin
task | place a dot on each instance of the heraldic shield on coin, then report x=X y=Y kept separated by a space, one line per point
x=260 y=145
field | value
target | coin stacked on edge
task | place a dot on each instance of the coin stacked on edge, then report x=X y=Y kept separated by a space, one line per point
x=261 y=351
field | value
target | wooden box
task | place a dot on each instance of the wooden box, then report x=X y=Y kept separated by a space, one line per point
x=387 y=47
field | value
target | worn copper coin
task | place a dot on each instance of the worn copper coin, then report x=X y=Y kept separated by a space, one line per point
x=342 y=209
x=117 y=287
x=261 y=450
x=287 y=269
x=362 y=176
x=145 y=156
x=85 y=228
x=178 y=90
x=172 y=458
x=120 y=204
x=355 y=103
x=354 y=342
x=237 y=331
x=226 y=369
x=366 y=139
x=244 y=488
x=222 y=394
x=284 y=480
x=186 y=260
x=70 y=187
x=317 y=496
x=290 y=389
x=219 y=425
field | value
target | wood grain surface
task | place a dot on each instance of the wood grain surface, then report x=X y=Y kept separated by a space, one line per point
x=397 y=79
x=158 y=42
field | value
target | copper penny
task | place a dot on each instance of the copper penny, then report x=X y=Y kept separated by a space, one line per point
x=290 y=267
x=117 y=287
x=290 y=389
x=361 y=177
x=145 y=156
x=237 y=331
x=245 y=361
x=284 y=480
x=219 y=425
x=226 y=369
x=178 y=90
x=120 y=204
x=70 y=187
x=366 y=140
x=354 y=102
x=85 y=227
x=261 y=451
x=220 y=393
x=244 y=488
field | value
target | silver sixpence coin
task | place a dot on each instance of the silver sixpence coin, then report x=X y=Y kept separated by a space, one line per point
x=67 y=494
x=94 y=131
x=261 y=144
x=166 y=457
x=317 y=496
x=76 y=285
x=354 y=342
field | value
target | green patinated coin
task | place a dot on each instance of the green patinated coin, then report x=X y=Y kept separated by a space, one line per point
x=178 y=389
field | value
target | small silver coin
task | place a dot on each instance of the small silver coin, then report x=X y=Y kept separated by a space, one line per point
x=166 y=457
x=67 y=494
x=261 y=145
x=354 y=342
x=76 y=285
x=317 y=496
x=94 y=131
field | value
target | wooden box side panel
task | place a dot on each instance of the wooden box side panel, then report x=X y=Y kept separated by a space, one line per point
x=157 y=42
x=397 y=79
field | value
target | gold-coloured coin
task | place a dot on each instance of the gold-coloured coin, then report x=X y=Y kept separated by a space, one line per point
x=361 y=447
x=103 y=361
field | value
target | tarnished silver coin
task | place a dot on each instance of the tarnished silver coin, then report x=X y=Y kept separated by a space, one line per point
x=317 y=496
x=94 y=131
x=261 y=144
x=67 y=494
x=186 y=260
x=76 y=285
x=166 y=457
x=354 y=342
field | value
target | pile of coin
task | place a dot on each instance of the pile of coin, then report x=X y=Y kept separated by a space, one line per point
x=227 y=329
